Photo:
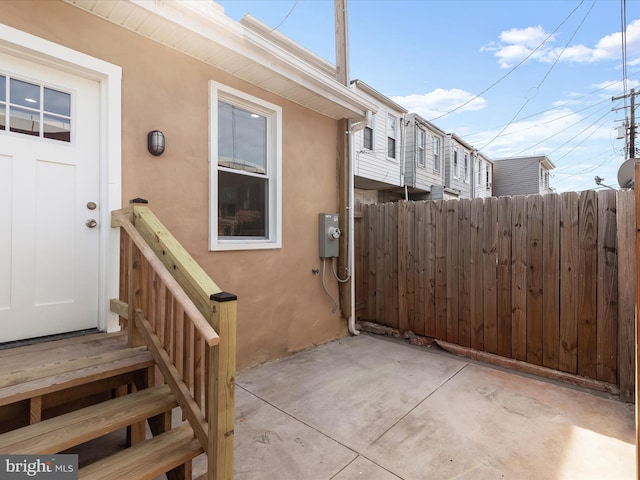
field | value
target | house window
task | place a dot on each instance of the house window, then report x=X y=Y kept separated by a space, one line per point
x=466 y=167
x=456 y=172
x=436 y=154
x=479 y=167
x=487 y=181
x=35 y=110
x=392 y=128
x=367 y=135
x=245 y=177
x=420 y=141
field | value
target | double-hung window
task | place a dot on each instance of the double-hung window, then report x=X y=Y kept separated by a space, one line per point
x=456 y=171
x=245 y=171
x=466 y=167
x=367 y=134
x=420 y=141
x=392 y=128
x=436 y=154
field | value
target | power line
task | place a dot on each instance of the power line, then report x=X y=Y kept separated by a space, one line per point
x=510 y=71
x=537 y=88
x=286 y=16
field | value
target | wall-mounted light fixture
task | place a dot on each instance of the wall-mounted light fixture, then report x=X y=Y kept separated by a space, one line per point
x=155 y=142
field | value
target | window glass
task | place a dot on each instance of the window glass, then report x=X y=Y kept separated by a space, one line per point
x=24 y=94
x=420 y=145
x=391 y=136
x=242 y=205
x=367 y=136
x=436 y=154
x=241 y=139
x=56 y=128
x=57 y=102
x=25 y=121
x=3 y=99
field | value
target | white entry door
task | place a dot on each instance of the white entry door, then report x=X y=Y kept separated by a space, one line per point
x=49 y=200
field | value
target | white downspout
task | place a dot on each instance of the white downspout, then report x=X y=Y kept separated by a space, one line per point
x=353 y=128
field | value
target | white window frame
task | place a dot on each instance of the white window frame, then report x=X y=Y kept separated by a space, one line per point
x=456 y=164
x=466 y=167
x=421 y=147
x=437 y=158
x=217 y=92
x=392 y=132
x=371 y=126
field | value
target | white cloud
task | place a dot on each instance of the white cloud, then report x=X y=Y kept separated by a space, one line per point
x=516 y=44
x=440 y=101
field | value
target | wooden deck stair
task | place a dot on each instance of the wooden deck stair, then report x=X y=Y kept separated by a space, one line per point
x=58 y=395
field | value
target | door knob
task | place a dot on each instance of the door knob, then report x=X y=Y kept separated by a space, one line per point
x=91 y=223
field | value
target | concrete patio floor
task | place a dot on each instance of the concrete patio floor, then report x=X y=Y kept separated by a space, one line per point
x=372 y=408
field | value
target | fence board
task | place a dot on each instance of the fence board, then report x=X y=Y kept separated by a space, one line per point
x=490 y=305
x=519 y=279
x=551 y=279
x=421 y=271
x=475 y=275
x=569 y=284
x=535 y=265
x=402 y=250
x=626 y=294
x=411 y=268
x=607 y=288
x=441 y=270
x=452 y=273
x=381 y=271
x=588 y=262
x=430 y=236
x=464 y=279
x=504 y=276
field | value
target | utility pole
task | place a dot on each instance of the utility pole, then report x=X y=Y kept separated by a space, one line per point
x=345 y=209
x=632 y=126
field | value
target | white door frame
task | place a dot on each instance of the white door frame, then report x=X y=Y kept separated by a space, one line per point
x=20 y=44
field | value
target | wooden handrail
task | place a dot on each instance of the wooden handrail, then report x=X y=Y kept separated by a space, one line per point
x=169 y=304
x=207 y=332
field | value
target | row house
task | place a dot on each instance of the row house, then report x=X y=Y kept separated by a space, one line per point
x=400 y=155
x=378 y=149
x=522 y=175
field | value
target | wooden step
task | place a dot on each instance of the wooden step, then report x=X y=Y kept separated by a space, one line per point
x=27 y=372
x=66 y=431
x=147 y=460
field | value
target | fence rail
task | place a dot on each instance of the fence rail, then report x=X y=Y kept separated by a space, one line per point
x=532 y=278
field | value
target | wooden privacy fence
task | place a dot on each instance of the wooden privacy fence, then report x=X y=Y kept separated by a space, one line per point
x=546 y=280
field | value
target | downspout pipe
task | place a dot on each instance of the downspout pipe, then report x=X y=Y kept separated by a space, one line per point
x=353 y=128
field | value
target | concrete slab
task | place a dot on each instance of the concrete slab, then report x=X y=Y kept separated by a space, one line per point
x=354 y=389
x=486 y=424
x=363 y=469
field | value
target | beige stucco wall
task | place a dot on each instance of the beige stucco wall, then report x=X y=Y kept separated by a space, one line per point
x=282 y=307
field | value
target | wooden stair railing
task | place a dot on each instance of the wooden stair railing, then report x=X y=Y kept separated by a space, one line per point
x=169 y=304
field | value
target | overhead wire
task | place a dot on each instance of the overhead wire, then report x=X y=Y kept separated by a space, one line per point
x=478 y=95
x=295 y=4
x=544 y=78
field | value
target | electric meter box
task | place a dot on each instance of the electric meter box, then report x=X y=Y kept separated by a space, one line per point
x=328 y=234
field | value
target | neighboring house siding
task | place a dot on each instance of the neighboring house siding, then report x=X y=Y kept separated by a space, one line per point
x=519 y=176
x=455 y=176
x=422 y=177
x=374 y=167
x=483 y=177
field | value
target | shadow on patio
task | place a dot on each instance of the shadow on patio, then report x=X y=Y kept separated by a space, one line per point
x=372 y=408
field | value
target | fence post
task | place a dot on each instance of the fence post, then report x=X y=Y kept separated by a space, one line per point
x=221 y=385
x=135 y=281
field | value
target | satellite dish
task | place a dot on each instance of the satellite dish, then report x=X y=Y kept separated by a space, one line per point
x=626 y=173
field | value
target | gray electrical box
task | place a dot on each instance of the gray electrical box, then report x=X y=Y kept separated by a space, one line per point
x=328 y=234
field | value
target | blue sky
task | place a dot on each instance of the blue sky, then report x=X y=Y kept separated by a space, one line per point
x=544 y=71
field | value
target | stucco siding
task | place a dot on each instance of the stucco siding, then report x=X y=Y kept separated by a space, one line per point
x=282 y=307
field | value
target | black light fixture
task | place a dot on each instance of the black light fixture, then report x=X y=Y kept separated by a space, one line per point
x=155 y=142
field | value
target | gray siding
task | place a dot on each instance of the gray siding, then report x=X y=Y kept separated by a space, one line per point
x=518 y=176
x=455 y=177
x=417 y=176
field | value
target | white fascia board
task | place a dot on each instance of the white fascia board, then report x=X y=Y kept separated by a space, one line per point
x=200 y=18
